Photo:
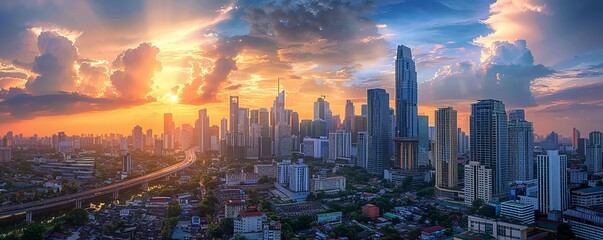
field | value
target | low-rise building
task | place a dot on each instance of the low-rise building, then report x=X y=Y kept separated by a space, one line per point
x=523 y=213
x=588 y=197
x=233 y=207
x=268 y=170
x=585 y=223
x=329 y=184
x=498 y=229
x=370 y=211
x=76 y=168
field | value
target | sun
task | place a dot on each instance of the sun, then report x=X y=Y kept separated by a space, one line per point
x=174 y=99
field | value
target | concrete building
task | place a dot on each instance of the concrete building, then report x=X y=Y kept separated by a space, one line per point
x=521 y=147
x=588 y=197
x=498 y=229
x=249 y=224
x=553 y=192
x=203 y=136
x=340 y=145
x=424 y=142
x=478 y=182
x=317 y=148
x=362 y=149
x=585 y=223
x=5 y=154
x=594 y=152
x=446 y=148
x=126 y=163
x=370 y=211
x=272 y=230
x=330 y=184
x=137 y=138
x=268 y=170
x=282 y=141
x=232 y=207
x=523 y=213
x=169 y=131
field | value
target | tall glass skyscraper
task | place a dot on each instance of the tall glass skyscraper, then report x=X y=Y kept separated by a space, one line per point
x=378 y=131
x=406 y=139
x=521 y=147
x=489 y=141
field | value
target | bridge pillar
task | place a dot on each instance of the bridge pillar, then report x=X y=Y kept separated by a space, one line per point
x=145 y=186
x=29 y=216
x=116 y=194
x=78 y=204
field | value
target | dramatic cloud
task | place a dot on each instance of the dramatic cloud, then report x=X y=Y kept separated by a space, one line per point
x=54 y=65
x=506 y=73
x=93 y=77
x=557 y=30
x=137 y=67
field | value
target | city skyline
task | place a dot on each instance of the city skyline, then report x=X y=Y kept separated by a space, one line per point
x=112 y=64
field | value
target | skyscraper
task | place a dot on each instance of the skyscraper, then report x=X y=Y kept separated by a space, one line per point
x=423 y=139
x=244 y=125
x=294 y=124
x=186 y=136
x=254 y=116
x=203 y=130
x=362 y=149
x=349 y=113
x=489 y=141
x=137 y=141
x=169 y=128
x=553 y=192
x=340 y=145
x=378 y=131
x=282 y=140
x=575 y=138
x=150 y=139
x=406 y=110
x=594 y=152
x=521 y=147
x=446 y=148
x=223 y=128
x=321 y=107
x=234 y=114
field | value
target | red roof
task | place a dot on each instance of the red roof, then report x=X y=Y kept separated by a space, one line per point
x=250 y=214
x=432 y=229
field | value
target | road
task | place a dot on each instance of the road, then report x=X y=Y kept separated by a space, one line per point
x=93 y=193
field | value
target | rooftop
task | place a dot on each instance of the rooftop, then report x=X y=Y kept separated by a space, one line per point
x=589 y=190
x=250 y=214
x=433 y=229
x=473 y=236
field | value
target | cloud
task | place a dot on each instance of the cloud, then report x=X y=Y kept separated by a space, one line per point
x=506 y=73
x=137 y=68
x=557 y=29
x=54 y=66
x=93 y=77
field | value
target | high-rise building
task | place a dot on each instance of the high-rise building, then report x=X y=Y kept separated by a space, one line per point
x=137 y=138
x=362 y=149
x=478 y=182
x=126 y=163
x=553 y=192
x=223 y=128
x=186 y=136
x=234 y=114
x=575 y=137
x=319 y=128
x=349 y=113
x=169 y=128
x=254 y=144
x=254 y=116
x=358 y=124
x=244 y=125
x=406 y=138
x=278 y=110
x=305 y=129
x=294 y=124
x=203 y=130
x=446 y=148
x=158 y=147
x=299 y=177
x=594 y=152
x=423 y=138
x=582 y=144
x=379 y=137
x=364 y=110
x=321 y=107
x=489 y=141
x=340 y=145
x=150 y=141
x=521 y=147
x=282 y=140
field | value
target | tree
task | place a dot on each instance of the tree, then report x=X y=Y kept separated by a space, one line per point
x=174 y=209
x=77 y=217
x=108 y=228
x=415 y=233
x=487 y=211
x=395 y=220
x=227 y=226
x=34 y=232
x=564 y=231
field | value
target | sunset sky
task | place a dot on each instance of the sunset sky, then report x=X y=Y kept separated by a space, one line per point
x=106 y=66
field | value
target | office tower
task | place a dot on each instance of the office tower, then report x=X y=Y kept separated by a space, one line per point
x=299 y=177
x=523 y=213
x=594 y=152
x=186 y=136
x=553 y=192
x=214 y=138
x=288 y=113
x=406 y=154
x=282 y=140
x=335 y=124
x=551 y=142
x=126 y=163
x=305 y=129
x=378 y=131
x=489 y=141
x=364 y=110
x=423 y=138
x=223 y=128
x=294 y=124
x=358 y=124
x=340 y=145
x=254 y=116
x=137 y=139
x=478 y=182
x=169 y=128
x=317 y=148
x=321 y=107
x=282 y=172
x=234 y=114
x=446 y=148
x=244 y=125
x=521 y=147
x=177 y=136
x=362 y=149
x=319 y=128
x=158 y=148
x=150 y=139
x=462 y=147
x=5 y=154
x=575 y=138
x=278 y=109
x=264 y=118
x=582 y=144
x=254 y=144
x=203 y=130
x=349 y=113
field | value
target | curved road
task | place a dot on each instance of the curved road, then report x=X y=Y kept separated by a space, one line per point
x=93 y=193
